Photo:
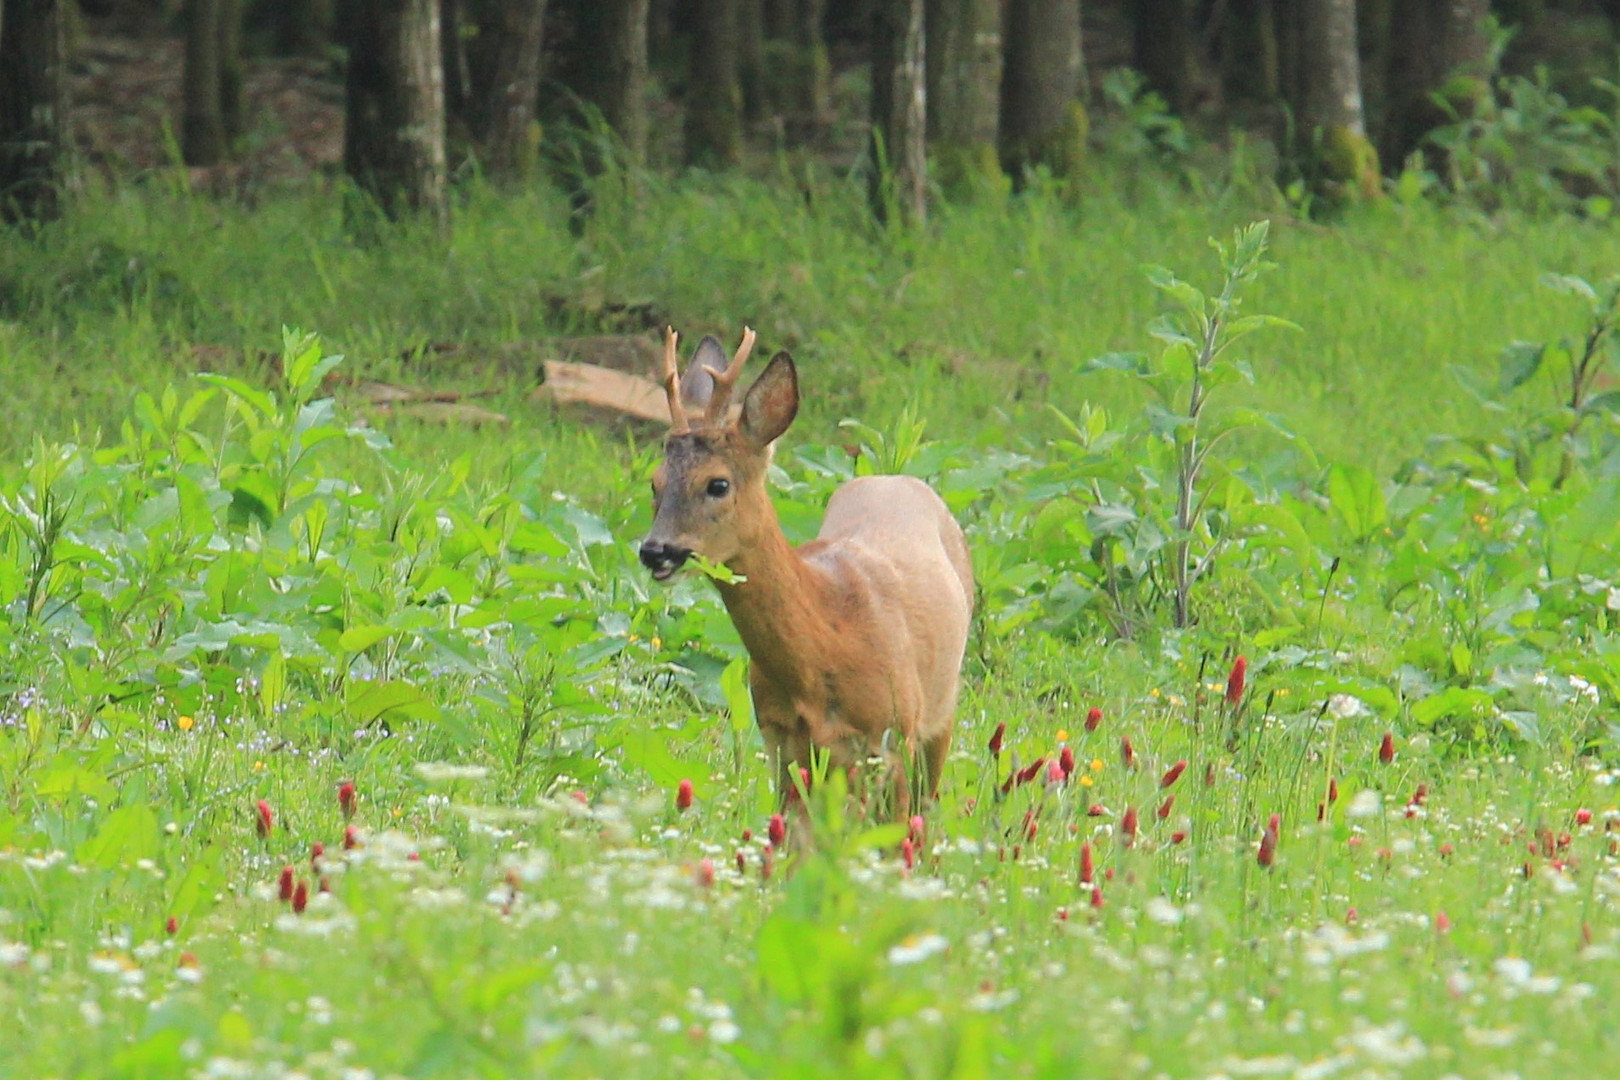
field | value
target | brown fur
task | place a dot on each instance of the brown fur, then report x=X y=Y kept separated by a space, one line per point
x=856 y=638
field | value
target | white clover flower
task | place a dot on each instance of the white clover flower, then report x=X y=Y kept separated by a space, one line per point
x=1346 y=706
x=440 y=772
x=1366 y=803
x=914 y=950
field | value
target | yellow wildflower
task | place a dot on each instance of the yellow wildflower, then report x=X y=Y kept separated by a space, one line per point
x=1063 y=735
x=1096 y=764
x=185 y=723
x=1085 y=781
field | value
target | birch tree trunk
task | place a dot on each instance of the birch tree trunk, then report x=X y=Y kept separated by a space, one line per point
x=1330 y=107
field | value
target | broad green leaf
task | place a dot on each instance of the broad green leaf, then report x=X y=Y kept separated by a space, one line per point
x=358 y=639
x=370 y=701
x=739 y=699
x=129 y=834
x=1358 y=499
x=1518 y=364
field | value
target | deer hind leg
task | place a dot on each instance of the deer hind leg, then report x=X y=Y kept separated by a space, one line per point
x=934 y=753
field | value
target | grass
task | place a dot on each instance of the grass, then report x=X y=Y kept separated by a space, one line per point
x=259 y=600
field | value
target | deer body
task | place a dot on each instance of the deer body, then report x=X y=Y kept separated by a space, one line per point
x=856 y=639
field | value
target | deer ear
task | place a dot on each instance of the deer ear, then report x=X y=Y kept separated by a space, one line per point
x=697 y=385
x=772 y=402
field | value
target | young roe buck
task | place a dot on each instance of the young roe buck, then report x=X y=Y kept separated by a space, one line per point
x=856 y=638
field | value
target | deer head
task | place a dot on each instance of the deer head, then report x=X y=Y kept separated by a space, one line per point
x=709 y=493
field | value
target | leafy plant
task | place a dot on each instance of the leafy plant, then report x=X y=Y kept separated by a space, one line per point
x=1154 y=533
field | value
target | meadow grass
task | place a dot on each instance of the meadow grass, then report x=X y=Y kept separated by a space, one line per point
x=1390 y=852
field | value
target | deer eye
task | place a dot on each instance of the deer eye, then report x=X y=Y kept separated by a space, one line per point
x=718 y=487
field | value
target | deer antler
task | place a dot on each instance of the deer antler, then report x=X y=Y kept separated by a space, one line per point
x=720 y=401
x=672 y=382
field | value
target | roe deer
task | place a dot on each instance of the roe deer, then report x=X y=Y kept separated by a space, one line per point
x=855 y=635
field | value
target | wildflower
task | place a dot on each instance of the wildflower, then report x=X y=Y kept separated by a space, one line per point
x=1179 y=836
x=1096 y=898
x=742 y=861
x=346 y=798
x=777 y=830
x=1093 y=719
x=317 y=852
x=1088 y=866
x=1386 y=749
x=1446 y=851
x=1234 y=681
x=1164 y=808
x=1442 y=923
x=1268 y=848
x=1063 y=735
x=1420 y=796
x=1127 y=826
x=286 y=884
x=767 y=861
x=916 y=829
x=266 y=819
x=1173 y=773
x=1030 y=825
x=1351 y=917
x=185 y=723
x=172 y=926
x=1054 y=772
x=705 y=873
x=1066 y=763
x=300 y=898
x=1096 y=809
x=1583 y=816
x=351 y=838
x=916 y=949
x=997 y=739
x=683 y=796
x=908 y=853
x=1127 y=753
x=1333 y=791
x=748 y=834
x=1031 y=771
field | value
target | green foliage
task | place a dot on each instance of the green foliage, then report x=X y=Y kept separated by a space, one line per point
x=244 y=591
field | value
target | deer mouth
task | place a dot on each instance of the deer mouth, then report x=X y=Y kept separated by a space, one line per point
x=663 y=559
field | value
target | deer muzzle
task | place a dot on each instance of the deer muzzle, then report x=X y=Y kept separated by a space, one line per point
x=663 y=559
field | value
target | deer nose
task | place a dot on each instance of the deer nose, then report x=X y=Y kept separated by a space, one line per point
x=663 y=559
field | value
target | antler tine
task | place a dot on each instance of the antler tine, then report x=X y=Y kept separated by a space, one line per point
x=672 y=382
x=720 y=401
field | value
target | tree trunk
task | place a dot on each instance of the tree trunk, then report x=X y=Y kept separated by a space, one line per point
x=1252 y=70
x=492 y=82
x=751 y=60
x=202 y=127
x=899 y=180
x=964 y=71
x=1431 y=40
x=713 y=98
x=1164 y=36
x=393 y=143
x=1332 y=89
x=302 y=27
x=1042 y=120
x=33 y=109
x=1329 y=106
x=604 y=64
x=798 y=74
x=232 y=102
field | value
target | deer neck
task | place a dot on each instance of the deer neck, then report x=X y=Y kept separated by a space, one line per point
x=778 y=610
